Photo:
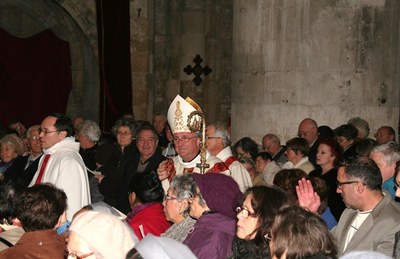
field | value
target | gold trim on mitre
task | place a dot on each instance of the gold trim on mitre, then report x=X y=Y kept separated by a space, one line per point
x=193 y=103
x=178 y=113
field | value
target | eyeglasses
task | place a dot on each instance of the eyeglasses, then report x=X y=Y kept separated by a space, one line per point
x=73 y=255
x=34 y=138
x=341 y=139
x=123 y=134
x=340 y=184
x=169 y=198
x=207 y=137
x=184 y=139
x=268 y=237
x=304 y=134
x=46 y=132
x=245 y=212
x=397 y=184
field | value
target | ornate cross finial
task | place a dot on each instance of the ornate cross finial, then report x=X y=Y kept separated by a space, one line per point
x=197 y=70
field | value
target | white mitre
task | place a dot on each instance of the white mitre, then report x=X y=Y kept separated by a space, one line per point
x=178 y=113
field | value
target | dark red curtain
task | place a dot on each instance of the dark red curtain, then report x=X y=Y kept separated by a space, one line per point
x=115 y=64
x=35 y=77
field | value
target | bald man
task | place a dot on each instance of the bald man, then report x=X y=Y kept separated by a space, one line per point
x=308 y=130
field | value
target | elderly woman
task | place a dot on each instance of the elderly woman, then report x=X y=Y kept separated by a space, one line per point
x=297 y=233
x=255 y=217
x=113 y=170
x=213 y=206
x=176 y=207
x=296 y=152
x=12 y=147
x=145 y=197
x=99 y=235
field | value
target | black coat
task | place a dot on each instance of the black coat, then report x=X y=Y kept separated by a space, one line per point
x=17 y=173
x=114 y=172
x=130 y=170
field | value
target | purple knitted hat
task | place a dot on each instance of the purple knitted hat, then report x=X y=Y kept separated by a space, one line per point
x=220 y=192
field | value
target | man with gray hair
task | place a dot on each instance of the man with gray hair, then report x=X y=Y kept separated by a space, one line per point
x=218 y=144
x=362 y=127
x=187 y=144
x=272 y=145
x=386 y=157
x=88 y=136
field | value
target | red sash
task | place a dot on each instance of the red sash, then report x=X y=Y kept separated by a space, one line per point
x=230 y=160
x=42 y=168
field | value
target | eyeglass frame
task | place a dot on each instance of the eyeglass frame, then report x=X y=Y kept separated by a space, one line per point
x=212 y=137
x=124 y=134
x=340 y=184
x=170 y=198
x=46 y=132
x=74 y=255
x=34 y=138
x=300 y=134
x=240 y=210
x=268 y=237
x=184 y=140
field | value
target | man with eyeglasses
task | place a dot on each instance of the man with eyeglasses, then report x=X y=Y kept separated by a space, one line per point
x=31 y=161
x=372 y=218
x=218 y=144
x=272 y=145
x=308 y=130
x=61 y=163
x=187 y=145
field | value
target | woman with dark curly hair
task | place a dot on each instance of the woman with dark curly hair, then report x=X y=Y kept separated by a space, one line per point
x=255 y=217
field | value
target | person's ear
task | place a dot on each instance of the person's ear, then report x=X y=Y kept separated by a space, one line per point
x=132 y=199
x=16 y=222
x=184 y=205
x=61 y=220
x=62 y=134
x=360 y=187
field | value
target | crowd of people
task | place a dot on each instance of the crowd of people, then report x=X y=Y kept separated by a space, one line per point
x=153 y=191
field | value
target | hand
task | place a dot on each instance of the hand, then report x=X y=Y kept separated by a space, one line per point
x=99 y=177
x=308 y=199
x=162 y=170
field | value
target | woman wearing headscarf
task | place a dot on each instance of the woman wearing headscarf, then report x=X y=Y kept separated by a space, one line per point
x=213 y=205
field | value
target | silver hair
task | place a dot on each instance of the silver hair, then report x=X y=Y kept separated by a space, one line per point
x=32 y=128
x=390 y=152
x=273 y=138
x=183 y=187
x=90 y=129
x=123 y=122
x=222 y=132
x=361 y=125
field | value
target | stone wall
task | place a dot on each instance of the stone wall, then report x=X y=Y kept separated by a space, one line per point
x=328 y=60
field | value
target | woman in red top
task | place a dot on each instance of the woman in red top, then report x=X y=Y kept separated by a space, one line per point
x=145 y=197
